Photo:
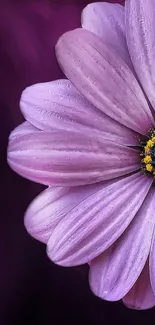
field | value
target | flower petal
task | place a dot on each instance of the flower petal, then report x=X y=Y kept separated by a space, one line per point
x=140 y=17
x=141 y=295
x=107 y=21
x=104 y=79
x=152 y=258
x=23 y=128
x=58 y=105
x=114 y=272
x=64 y=158
x=51 y=206
x=96 y=223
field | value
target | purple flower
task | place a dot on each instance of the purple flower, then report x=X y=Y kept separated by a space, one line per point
x=91 y=139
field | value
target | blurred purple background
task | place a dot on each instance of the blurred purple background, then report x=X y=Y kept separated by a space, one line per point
x=32 y=289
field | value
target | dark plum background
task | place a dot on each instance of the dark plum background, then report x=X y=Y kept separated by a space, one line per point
x=32 y=289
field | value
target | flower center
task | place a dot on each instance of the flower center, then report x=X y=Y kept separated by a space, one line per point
x=148 y=154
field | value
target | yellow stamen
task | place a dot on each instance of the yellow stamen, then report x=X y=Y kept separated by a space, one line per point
x=149 y=167
x=150 y=144
x=147 y=159
x=147 y=149
x=153 y=139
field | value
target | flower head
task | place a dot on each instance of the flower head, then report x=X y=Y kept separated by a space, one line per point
x=91 y=139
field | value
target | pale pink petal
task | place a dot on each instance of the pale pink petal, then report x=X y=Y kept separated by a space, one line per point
x=108 y=22
x=104 y=79
x=152 y=257
x=140 y=34
x=23 y=128
x=141 y=295
x=51 y=206
x=114 y=272
x=96 y=223
x=58 y=105
x=66 y=158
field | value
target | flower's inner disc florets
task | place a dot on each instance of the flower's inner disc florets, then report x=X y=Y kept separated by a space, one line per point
x=148 y=154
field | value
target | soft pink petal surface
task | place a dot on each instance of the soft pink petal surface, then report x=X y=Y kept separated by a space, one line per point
x=108 y=22
x=51 y=206
x=22 y=129
x=96 y=223
x=140 y=34
x=152 y=259
x=67 y=158
x=58 y=105
x=114 y=273
x=141 y=295
x=104 y=79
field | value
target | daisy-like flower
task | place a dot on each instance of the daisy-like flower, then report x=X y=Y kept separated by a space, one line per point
x=91 y=140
